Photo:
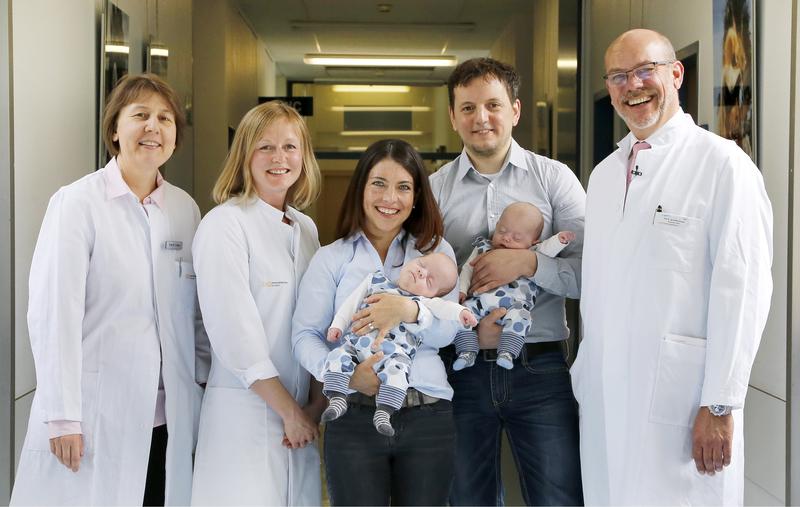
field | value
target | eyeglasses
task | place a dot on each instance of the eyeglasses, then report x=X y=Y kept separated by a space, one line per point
x=642 y=72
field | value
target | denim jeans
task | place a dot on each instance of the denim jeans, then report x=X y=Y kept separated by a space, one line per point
x=535 y=406
x=414 y=467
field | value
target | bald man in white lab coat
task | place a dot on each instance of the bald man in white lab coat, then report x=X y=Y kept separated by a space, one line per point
x=676 y=291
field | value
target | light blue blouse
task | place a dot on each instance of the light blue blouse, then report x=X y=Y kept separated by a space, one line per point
x=334 y=273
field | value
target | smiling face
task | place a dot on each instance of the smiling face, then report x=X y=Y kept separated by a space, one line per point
x=644 y=105
x=145 y=132
x=388 y=199
x=277 y=162
x=428 y=276
x=519 y=226
x=483 y=115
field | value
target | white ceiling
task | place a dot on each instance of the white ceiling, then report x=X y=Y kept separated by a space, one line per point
x=292 y=28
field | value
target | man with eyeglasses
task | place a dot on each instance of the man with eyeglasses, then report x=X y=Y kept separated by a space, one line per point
x=676 y=291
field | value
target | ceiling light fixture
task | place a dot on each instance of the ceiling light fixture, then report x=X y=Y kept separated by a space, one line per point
x=382 y=132
x=371 y=88
x=413 y=109
x=117 y=48
x=333 y=60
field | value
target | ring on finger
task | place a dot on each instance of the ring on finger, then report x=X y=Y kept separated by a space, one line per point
x=371 y=326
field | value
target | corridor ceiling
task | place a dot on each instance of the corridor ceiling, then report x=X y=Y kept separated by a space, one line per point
x=293 y=28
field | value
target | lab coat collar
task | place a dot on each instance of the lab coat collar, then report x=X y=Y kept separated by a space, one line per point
x=665 y=136
x=272 y=212
x=516 y=156
x=116 y=186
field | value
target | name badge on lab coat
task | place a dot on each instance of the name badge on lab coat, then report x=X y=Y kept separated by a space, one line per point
x=274 y=283
x=670 y=219
x=173 y=245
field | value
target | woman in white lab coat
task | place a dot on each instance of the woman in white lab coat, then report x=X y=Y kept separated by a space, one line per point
x=258 y=420
x=113 y=321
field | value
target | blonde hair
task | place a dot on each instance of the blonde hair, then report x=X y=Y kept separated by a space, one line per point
x=236 y=179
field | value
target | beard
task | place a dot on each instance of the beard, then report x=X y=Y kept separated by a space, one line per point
x=644 y=122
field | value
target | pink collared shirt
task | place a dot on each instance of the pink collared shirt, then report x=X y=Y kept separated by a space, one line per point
x=116 y=187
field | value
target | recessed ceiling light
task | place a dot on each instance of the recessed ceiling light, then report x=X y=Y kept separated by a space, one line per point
x=332 y=60
x=382 y=132
x=371 y=88
x=414 y=109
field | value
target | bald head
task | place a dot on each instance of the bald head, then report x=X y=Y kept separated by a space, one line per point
x=642 y=37
x=646 y=79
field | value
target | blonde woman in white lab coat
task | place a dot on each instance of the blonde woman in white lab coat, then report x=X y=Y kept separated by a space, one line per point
x=113 y=321
x=258 y=422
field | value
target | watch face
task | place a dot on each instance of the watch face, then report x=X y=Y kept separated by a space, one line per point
x=719 y=410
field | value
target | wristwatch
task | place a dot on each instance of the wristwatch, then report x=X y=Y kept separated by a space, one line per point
x=719 y=410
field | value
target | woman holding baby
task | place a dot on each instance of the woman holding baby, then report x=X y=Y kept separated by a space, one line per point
x=389 y=217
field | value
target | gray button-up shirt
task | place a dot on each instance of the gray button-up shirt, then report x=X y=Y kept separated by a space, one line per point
x=471 y=205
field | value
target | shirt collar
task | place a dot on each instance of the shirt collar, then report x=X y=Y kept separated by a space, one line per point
x=516 y=156
x=116 y=186
x=360 y=236
x=662 y=137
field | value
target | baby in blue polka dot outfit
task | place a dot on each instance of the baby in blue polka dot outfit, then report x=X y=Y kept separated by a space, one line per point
x=422 y=279
x=520 y=226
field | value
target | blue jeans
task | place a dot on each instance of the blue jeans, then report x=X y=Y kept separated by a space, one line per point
x=414 y=467
x=534 y=404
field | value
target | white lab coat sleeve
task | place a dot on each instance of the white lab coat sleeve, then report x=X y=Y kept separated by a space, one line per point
x=465 y=278
x=562 y=275
x=550 y=247
x=230 y=313
x=314 y=312
x=740 y=250
x=57 y=298
x=350 y=306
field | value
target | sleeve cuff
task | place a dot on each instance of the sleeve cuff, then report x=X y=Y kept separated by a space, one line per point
x=259 y=371
x=61 y=428
x=424 y=319
x=546 y=271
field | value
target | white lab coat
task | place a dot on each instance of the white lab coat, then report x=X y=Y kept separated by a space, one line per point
x=673 y=305
x=108 y=303
x=249 y=264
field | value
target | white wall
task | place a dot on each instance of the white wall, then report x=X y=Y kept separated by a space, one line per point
x=765 y=414
x=6 y=266
x=231 y=70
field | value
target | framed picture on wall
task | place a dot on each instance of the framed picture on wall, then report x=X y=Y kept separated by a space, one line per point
x=734 y=73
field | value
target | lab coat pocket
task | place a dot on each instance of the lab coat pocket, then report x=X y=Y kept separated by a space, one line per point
x=675 y=244
x=679 y=380
x=187 y=285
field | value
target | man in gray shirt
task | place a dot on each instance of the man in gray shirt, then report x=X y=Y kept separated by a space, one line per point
x=532 y=402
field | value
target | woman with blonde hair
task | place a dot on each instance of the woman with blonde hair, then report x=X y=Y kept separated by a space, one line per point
x=114 y=325
x=260 y=410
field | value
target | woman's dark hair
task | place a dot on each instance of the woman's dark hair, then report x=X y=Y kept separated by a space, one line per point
x=425 y=220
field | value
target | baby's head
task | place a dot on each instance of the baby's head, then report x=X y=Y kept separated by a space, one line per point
x=519 y=226
x=429 y=276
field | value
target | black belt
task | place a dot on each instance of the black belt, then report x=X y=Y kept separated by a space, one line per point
x=413 y=398
x=529 y=349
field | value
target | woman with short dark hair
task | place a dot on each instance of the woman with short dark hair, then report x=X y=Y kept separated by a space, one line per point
x=388 y=217
x=113 y=322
